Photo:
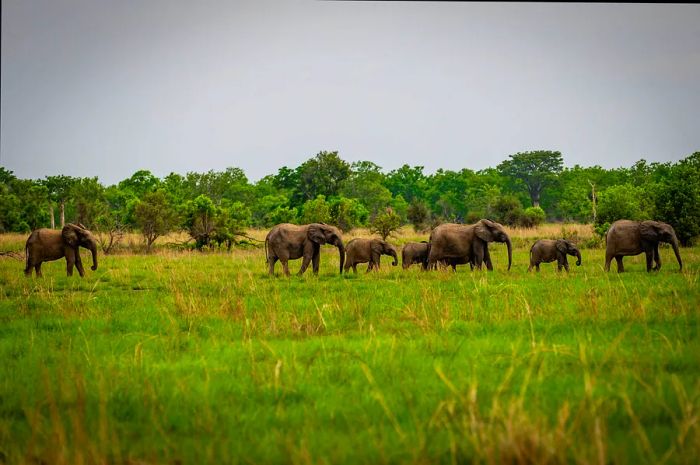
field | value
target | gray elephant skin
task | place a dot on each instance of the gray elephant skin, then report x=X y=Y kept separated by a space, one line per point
x=625 y=237
x=368 y=251
x=548 y=250
x=44 y=245
x=287 y=242
x=459 y=243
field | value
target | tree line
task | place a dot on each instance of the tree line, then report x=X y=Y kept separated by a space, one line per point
x=217 y=207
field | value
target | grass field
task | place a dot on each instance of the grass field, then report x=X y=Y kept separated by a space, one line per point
x=187 y=358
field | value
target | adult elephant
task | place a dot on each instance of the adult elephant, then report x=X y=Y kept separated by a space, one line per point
x=44 y=245
x=368 y=250
x=459 y=243
x=625 y=237
x=287 y=242
x=548 y=250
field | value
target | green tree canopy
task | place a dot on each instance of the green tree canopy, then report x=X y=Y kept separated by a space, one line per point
x=534 y=170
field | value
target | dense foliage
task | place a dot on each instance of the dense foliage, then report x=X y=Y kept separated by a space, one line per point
x=524 y=190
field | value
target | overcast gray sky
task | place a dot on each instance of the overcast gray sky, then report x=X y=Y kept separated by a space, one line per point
x=104 y=88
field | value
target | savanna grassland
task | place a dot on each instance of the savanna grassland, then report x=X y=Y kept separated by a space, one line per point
x=189 y=357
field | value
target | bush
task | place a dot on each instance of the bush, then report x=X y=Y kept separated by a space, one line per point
x=316 y=211
x=678 y=199
x=385 y=223
x=418 y=215
x=623 y=201
x=533 y=216
x=507 y=210
x=348 y=213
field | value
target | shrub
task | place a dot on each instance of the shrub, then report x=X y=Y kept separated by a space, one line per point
x=507 y=210
x=385 y=223
x=533 y=216
x=348 y=213
x=317 y=210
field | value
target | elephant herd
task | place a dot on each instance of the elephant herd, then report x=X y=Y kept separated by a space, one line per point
x=449 y=245
x=456 y=244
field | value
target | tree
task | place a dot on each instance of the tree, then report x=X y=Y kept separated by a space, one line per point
x=624 y=201
x=385 y=223
x=322 y=175
x=507 y=210
x=59 y=188
x=316 y=211
x=155 y=216
x=348 y=213
x=419 y=215
x=535 y=170
x=90 y=203
x=201 y=220
x=410 y=182
x=677 y=199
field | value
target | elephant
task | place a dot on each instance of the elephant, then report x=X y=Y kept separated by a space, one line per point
x=44 y=245
x=461 y=243
x=414 y=252
x=368 y=250
x=417 y=252
x=625 y=237
x=548 y=250
x=287 y=242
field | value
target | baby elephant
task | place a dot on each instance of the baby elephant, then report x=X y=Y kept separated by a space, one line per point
x=367 y=250
x=414 y=252
x=547 y=250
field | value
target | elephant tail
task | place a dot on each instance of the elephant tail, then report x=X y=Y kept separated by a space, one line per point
x=267 y=259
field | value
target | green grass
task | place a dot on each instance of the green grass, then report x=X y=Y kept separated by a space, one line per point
x=203 y=358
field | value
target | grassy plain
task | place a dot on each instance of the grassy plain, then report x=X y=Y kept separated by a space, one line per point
x=186 y=357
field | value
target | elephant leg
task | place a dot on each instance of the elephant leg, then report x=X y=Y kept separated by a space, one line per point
x=369 y=266
x=608 y=259
x=354 y=268
x=70 y=261
x=620 y=266
x=37 y=268
x=487 y=258
x=304 y=265
x=650 y=258
x=285 y=266
x=271 y=265
x=657 y=258
x=566 y=264
x=316 y=258
x=478 y=256
x=79 y=264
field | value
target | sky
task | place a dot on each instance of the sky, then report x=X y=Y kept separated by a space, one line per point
x=103 y=88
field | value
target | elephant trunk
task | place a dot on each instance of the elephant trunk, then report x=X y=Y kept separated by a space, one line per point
x=341 y=253
x=578 y=257
x=93 y=250
x=396 y=257
x=510 y=252
x=674 y=244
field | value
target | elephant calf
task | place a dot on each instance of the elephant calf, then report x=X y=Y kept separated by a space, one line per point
x=414 y=252
x=547 y=250
x=368 y=250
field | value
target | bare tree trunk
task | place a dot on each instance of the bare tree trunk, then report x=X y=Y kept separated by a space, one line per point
x=63 y=213
x=53 y=220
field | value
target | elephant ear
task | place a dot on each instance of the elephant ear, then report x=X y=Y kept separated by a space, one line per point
x=315 y=234
x=649 y=230
x=561 y=246
x=70 y=235
x=377 y=246
x=483 y=230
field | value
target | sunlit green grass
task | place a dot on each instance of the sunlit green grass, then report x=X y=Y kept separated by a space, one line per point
x=194 y=358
